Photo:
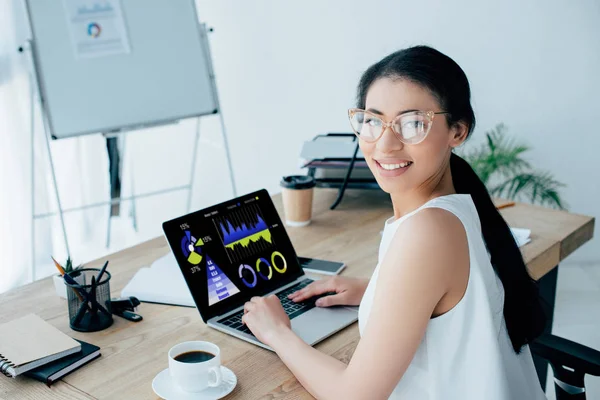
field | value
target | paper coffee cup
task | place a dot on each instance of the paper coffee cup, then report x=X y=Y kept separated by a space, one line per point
x=297 y=195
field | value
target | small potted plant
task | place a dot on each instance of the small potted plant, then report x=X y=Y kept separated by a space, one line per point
x=59 y=282
x=500 y=165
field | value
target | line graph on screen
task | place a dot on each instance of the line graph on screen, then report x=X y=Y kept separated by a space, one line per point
x=244 y=232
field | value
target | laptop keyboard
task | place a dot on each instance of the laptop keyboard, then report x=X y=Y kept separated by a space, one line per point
x=291 y=308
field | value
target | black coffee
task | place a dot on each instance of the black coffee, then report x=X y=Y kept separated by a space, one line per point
x=194 y=356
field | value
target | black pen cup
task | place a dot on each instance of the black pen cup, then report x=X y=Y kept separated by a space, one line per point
x=89 y=304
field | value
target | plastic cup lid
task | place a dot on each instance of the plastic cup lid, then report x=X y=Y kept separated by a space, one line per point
x=298 y=182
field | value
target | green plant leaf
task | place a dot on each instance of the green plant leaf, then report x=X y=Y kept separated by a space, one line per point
x=500 y=165
x=69 y=265
x=538 y=187
x=498 y=156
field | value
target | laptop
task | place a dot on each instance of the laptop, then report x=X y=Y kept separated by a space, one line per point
x=233 y=251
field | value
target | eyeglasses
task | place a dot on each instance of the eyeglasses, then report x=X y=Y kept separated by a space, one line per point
x=410 y=127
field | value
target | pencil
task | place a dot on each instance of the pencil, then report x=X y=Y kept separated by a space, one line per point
x=506 y=205
x=72 y=281
x=58 y=267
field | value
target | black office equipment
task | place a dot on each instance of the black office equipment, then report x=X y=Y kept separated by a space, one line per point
x=88 y=300
x=570 y=362
x=125 y=307
x=335 y=161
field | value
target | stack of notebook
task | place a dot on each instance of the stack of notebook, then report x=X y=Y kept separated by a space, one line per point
x=31 y=346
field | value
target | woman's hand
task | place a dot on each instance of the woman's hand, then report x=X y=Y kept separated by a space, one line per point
x=348 y=291
x=265 y=317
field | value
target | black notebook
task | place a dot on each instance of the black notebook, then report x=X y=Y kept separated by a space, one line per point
x=55 y=370
x=29 y=342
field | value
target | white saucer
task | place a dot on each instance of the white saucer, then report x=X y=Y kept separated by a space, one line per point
x=163 y=386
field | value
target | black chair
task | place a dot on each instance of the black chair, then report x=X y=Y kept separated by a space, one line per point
x=570 y=362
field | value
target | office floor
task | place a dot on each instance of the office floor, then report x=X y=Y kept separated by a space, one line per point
x=577 y=316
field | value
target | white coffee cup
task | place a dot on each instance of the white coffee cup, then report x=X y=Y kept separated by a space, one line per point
x=195 y=376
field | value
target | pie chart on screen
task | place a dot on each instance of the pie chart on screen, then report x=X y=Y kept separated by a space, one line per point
x=192 y=248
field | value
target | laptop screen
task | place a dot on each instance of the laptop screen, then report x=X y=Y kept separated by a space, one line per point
x=233 y=251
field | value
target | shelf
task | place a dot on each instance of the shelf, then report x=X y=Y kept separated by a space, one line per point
x=352 y=184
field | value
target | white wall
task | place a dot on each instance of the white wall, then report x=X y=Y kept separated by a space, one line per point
x=288 y=70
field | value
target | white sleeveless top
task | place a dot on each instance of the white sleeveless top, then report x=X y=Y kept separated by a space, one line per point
x=466 y=353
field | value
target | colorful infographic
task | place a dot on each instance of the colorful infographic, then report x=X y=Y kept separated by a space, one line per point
x=247 y=275
x=192 y=248
x=264 y=268
x=94 y=29
x=219 y=285
x=244 y=233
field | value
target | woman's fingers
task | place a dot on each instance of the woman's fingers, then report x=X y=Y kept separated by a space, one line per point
x=332 y=300
x=311 y=290
x=314 y=289
x=248 y=306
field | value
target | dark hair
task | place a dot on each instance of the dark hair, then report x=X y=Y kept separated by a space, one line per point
x=429 y=68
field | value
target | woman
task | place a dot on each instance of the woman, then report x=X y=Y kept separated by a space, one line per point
x=450 y=308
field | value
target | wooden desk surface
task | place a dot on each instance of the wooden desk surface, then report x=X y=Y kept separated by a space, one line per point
x=133 y=353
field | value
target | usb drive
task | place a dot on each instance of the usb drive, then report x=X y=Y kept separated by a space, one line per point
x=131 y=316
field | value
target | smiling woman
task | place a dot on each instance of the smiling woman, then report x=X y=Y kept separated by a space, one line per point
x=450 y=309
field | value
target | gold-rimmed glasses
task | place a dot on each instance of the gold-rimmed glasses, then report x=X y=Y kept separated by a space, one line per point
x=410 y=127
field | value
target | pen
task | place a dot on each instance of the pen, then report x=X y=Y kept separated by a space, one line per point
x=84 y=305
x=102 y=272
x=71 y=281
x=93 y=296
x=85 y=299
x=506 y=205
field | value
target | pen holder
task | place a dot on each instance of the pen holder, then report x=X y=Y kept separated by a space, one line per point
x=88 y=300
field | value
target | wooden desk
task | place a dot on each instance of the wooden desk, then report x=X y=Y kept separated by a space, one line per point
x=133 y=353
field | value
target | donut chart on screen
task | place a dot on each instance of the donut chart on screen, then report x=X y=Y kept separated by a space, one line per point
x=258 y=263
x=284 y=267
x=249 y=275
x=191 y=248
x=245 y=267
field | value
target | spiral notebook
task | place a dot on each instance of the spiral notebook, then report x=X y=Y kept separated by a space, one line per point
x=29 y=342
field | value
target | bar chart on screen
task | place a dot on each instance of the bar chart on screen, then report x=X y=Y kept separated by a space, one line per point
x=219 y=285
x=244 y=232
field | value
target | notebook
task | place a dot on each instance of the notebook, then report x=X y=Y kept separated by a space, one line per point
x=162 y=282
x=55 y=370
x=29 y=342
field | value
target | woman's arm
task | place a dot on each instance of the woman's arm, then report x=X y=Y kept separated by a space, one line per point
x=426 y=251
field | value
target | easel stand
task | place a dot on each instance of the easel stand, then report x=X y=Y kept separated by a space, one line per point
x=35 y=90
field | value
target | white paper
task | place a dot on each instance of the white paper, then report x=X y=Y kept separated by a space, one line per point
x=521 y=235
x=162 y=282
x=97 y=27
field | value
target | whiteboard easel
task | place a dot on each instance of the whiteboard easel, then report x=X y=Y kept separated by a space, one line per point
x=35 y=90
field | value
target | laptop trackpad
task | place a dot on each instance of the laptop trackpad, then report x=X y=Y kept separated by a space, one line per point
x=318 y=323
